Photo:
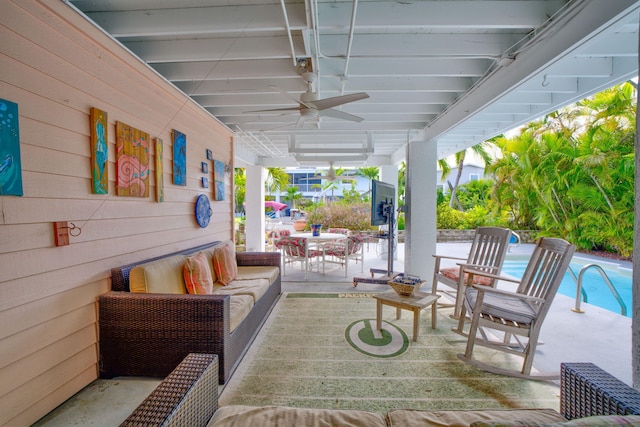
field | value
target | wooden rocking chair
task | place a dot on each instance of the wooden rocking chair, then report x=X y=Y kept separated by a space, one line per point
x=515 y=314
x=489 y=247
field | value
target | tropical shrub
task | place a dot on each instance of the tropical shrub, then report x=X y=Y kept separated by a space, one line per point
x=449 y=218
x=571 y=174
x=475 y=193
x=355 y=216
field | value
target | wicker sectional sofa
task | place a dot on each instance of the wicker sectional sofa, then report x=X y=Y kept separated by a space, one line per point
x=149 y=334
x=589 y=396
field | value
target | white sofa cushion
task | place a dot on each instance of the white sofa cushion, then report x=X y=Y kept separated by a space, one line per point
x=164 y=276
x=255 y=288
x=239 y=308
x=247 y=272
x=415 y=418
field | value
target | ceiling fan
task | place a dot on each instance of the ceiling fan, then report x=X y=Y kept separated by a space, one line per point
x=330 y=176
x=310 y=107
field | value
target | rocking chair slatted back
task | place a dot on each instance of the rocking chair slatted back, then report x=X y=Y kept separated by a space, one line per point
x=487 y=253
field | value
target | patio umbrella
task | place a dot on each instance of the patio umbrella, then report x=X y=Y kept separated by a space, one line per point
x=276 y=206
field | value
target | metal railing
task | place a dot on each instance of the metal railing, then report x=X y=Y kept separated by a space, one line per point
x=581 y=292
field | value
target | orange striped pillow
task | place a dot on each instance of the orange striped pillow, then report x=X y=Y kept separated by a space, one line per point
x=197 y=275
x=224 y=264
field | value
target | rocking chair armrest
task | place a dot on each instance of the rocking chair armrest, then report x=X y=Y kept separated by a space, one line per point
x=527 y=298
x=475 y=272
x=448 y=257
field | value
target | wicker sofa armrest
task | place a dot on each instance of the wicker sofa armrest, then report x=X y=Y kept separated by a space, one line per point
x=149 y=334
x=258 y=258
x=187 y=397
x=586 y=390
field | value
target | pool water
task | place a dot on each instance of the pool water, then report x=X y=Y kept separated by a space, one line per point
x=596 y=288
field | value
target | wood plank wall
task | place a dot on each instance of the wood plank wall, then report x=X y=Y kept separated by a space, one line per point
x=56 y=66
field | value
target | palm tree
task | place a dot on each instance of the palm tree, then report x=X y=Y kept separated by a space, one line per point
x=370 y=172
x=329 y=185
x=277 y=180
x=479 y=149
x=292 y=195
x=239 y=188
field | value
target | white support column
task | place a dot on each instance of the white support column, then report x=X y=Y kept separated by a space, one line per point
x=389 y=174
x=254 y=208
x=420 y=210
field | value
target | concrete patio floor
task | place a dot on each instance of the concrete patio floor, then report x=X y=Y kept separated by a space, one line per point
x=597 y=335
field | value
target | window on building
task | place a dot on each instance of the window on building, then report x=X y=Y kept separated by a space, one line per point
x=474 y=177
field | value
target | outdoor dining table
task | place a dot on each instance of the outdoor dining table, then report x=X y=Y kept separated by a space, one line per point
x=321 y=239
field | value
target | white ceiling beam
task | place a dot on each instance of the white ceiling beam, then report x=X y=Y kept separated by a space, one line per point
x=406 y=67
x=216 y=49
x=274 y=98
x=360 y=84
x=438 y=14
x=620 y=44
x=200 y=20
x=223 y=70
x=399 y=84
x=417 y=45
x=581 y=66
x=353 y=108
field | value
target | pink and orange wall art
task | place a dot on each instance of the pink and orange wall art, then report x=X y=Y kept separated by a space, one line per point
x=132 y=161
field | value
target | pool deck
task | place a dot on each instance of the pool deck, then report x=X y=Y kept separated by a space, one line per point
x=597 y=335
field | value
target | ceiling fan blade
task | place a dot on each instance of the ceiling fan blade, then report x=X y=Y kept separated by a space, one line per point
x=326 y=103
x=282 y=91
x=292 y=109
x=340 y=115
x=300 y=121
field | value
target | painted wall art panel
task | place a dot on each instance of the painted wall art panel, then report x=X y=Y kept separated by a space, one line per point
x=99 y=151
x=10 y=164
x=159 y=171
x=132 y=161
x=218 y=180
x=179 y=158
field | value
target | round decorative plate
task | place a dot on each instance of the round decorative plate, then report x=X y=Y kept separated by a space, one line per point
x=203 y=210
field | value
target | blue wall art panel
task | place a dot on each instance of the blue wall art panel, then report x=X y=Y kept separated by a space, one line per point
x=10 y=165
x=179 y=158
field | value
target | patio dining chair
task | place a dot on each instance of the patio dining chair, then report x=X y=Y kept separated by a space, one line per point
x=511 y=321
x=487 y=254
x=354 y=250
x=295 y=249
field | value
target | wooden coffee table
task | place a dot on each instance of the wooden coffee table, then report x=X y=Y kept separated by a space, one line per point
x=415 y=303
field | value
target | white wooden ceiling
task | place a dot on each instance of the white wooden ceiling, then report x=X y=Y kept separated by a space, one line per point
x=453 y=72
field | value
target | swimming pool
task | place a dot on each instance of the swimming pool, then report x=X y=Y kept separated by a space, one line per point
x=597 y=290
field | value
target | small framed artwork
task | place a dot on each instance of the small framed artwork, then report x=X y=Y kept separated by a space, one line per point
x=179 y=158
x=209 y=155
x=205 y=167
x=205 y=182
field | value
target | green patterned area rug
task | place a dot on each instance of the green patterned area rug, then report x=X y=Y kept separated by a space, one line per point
x=322 y=351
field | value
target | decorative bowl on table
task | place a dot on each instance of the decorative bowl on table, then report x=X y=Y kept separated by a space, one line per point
x=405 y=285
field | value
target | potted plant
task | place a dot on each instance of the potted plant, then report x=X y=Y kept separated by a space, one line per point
x=300 y=224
